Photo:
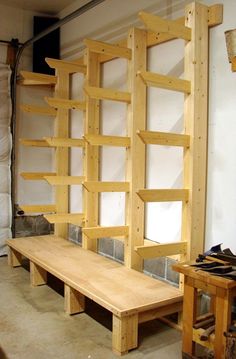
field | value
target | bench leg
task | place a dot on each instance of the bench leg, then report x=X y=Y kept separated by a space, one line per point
x=38 y=275
x=14 y=258
x=124 y=334
x=189 y=316
x=223 y=306
x=74 y=300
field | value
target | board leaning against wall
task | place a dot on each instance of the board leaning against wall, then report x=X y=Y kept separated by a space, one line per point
x=5 y=157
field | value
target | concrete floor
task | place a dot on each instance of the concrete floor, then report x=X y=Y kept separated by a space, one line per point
x=33 y=325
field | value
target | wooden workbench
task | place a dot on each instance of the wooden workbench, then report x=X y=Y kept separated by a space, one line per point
x=131 y=296
x=222 y=292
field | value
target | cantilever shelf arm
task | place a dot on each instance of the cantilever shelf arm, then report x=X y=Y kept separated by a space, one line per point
x=29 y=42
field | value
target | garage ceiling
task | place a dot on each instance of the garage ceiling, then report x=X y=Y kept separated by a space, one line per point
x=43 y=6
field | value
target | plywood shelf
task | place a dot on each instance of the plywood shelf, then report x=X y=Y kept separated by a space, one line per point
x=36 y=176
x=38 y=208
x=165 y=82
x=161 y=250
x=64 y=180
x=64 y=142
x=103 y=232
x=108 y=49
x=107 y=94
x=35 y=79
x=67 y=66
x=163 y=195
x=96 y=186
x=102 y=140
x=171 y=27
x=39 y=110
x=72 y=218
x=65 y=103
x=164 y=138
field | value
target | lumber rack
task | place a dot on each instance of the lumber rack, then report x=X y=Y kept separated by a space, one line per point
x=193 y=29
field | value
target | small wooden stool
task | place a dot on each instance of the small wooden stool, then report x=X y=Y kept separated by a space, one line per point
x=222 y=292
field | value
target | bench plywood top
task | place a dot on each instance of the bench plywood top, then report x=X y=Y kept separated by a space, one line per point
x=121 y=290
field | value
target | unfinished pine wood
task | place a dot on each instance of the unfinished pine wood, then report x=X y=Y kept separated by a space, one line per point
x=14 y=258
x=135 y=165
x=39 y=110
x=91 y=153
x=36 y=176
x=157 y=24
x=163 y=195
x=34 y=78
x=159 y=312
x=215 y=15
x=38 y=208
x=96 y=186
x=67 y=66
x=64 y=180
x=161 y=250
x=208 y=344
x=124 y=333
x=163 y=138
x=77 y=267
x=224 y=290
x=108 y=49
x=64 y=142
x=66 y=104
x=38 y=275
x=103 y=140
x=195 y=123
x=61 y=218
x=33 y=142
x=107 y=94
x=74 y=300
x=62 y=90
x=165 y=82
x=100 y=232
x=224 y=301
x=189 y=317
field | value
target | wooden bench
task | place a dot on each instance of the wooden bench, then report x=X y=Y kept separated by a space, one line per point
x=131 y=296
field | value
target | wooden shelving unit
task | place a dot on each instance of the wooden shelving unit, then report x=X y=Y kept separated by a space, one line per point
x=194 y=30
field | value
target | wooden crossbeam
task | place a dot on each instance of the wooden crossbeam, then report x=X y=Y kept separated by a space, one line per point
x=102 y=232
x=70 y=67
x=38 y=208
x=65 y=104
x=108 y=49
x=158 y=24
x=64 y=142
x=163 y=195
x=34 y=78
x=107 y=94
x=163 y=138
x=96 y=186
x=165 y=82
x=34 y=143
x=39 y=110
x=215 y=15
x=64 y=180
x=72 y=218
x=161 y=250
x=35 y=176
x=101 y=140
